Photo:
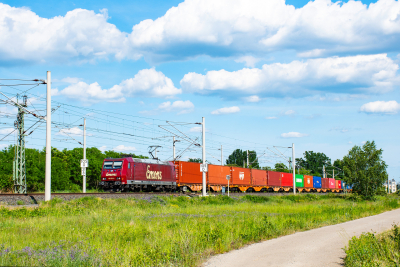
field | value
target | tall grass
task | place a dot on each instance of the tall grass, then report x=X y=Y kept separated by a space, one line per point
x=162 y=231
x=374 y=250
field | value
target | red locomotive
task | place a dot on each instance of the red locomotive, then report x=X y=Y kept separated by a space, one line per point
x=132 y=174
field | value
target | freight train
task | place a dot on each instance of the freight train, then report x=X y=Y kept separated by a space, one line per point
x=132 y=174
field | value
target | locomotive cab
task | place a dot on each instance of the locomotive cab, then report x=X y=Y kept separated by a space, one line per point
x=113 y=174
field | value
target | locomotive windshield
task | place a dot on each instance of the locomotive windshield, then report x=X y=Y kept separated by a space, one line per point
x=108 y=165
x=117 y=164
x=112 y=165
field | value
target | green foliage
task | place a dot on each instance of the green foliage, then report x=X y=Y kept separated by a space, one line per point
x=313 y=162
x=65 y=168
x=365 y=170
x=161 y=231
x=198 y=160
x=374 y=250
x=280 y=167
x=239 y=158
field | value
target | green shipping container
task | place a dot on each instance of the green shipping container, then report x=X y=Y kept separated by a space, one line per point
x=299 y=180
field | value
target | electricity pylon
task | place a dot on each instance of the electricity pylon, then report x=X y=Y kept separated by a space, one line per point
x=19 y=164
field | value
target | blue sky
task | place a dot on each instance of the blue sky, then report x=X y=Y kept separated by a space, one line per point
x=323 y=75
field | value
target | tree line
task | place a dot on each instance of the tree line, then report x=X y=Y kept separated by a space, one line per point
x=65 y=168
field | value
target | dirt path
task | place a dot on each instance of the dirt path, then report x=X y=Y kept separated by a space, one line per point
x=317 y=247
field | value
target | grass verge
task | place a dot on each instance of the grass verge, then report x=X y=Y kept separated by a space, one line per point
x=374 y=250
x=163 y=231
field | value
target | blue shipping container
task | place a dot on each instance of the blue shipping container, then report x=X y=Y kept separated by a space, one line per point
x=317 y=182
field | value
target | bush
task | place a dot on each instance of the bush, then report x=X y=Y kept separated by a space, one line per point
x=372 y=250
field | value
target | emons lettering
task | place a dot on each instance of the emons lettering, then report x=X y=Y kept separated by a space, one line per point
x=153 y=175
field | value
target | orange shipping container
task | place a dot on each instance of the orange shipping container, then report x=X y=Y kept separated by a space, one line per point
x=308 y=181
x=337 y=184
x=258 y=177
x=217 y=174
x=240 y=176
x=188 y=172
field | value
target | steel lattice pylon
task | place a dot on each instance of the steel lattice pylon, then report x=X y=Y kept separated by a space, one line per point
x=19 y=164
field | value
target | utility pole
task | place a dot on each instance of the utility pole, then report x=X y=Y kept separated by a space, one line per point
x=84 y=154
x=47 y=190
x=173 y=148
x=294 y=170
x=333 y=173
x=204 y=155
x=19 y=171
x=247 y=158
x=323 y=171
x=222 y=162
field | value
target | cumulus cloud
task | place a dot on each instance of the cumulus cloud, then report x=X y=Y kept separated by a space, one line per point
x=320 y=27
x=384 y=107
x=229 y=110
x=103 y=148
x=70 y=131
x=147 y=82
x=80 y=34
x=252 y=98
x=122 y=148
x=181 y=106
x=293 y=135
x=197 y=129
x=365 y=73
x=198 y=27
x=6 y=131
x=249 y=61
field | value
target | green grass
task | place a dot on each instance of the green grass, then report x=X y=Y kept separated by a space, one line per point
x=374 y=250
x=163 y=231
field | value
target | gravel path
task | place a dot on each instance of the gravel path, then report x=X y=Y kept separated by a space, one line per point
x=317 y=247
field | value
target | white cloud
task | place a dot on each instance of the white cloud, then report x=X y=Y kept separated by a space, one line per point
x=363 y=142
x=271 y=118
x=249 y=61
x=71 y=80
x=103 y=148
x=80 y=34
x=181 y=106
x=147 y=82
x=70 y=131
x=293 y=135
x=261 y=26
x=311 y=53
x=366 y=73
x=240 y=27
x=122 y=148
x=387 y=107
x=226 y=110
x=8 y=111
x=289 y=113
x=197 y=129
x=252 y=99
x=6 y=131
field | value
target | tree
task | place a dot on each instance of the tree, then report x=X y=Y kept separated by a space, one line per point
x=365 y=170
x=198 y=160
x=239 y=156
x=313 y=161
x=280 y=167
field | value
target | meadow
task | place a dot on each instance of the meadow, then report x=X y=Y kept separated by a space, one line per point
x=163 y=231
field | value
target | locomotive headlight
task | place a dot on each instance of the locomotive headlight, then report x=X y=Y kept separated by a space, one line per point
x=118 y=178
